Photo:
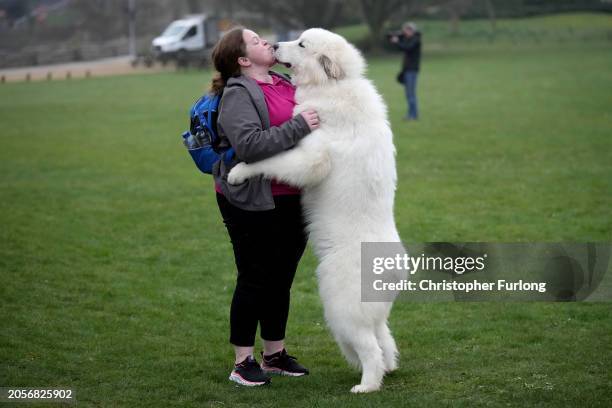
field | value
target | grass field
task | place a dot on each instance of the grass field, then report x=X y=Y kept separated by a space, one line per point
x=117 y=271
x=560 y=29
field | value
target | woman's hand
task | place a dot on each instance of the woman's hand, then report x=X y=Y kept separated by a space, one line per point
x=312 y=118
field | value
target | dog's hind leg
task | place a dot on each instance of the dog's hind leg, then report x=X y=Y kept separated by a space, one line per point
x=371 y=357
x=349 y=353
x=388 y=346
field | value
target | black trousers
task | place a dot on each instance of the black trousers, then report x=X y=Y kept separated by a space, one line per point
x=267 y=246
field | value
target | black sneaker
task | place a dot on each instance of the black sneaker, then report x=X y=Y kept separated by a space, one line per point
x=283 y=364
x=249 y=373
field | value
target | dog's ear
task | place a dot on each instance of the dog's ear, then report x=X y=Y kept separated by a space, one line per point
x=332 y=70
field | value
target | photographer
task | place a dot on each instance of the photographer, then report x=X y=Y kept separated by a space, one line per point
x=409 y=41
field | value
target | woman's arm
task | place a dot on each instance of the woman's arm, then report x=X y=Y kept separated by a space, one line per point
x=241 y=124
x=408 y=45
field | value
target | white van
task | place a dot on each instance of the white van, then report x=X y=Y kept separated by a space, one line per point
x=185 y=37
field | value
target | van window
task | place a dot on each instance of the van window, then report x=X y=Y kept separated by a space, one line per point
x=173 y=29
x=192 y=32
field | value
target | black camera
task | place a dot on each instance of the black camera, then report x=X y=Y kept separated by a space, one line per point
x=391 y=34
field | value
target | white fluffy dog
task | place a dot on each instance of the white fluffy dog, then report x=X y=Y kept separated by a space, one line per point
x=346 y=169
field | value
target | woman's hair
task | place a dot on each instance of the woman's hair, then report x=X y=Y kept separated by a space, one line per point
x=410 y=25
x=225 y=58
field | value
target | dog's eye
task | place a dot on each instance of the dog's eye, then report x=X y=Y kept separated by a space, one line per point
x=301 y=44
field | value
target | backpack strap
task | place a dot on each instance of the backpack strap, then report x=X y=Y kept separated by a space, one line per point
x=209 y=122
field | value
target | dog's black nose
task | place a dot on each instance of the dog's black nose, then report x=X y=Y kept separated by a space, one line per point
x=275 y=46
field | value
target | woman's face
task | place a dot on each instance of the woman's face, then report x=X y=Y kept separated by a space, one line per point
x=408 y=32
x=258 y=51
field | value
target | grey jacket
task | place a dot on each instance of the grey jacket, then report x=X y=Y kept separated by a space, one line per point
x=244 y=124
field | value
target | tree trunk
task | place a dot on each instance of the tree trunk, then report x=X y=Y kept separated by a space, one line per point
x=455 y=19
x=376 y=13
x=491 y=13
x=194 y=7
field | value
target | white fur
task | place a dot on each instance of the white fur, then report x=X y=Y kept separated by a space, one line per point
x=347 y=172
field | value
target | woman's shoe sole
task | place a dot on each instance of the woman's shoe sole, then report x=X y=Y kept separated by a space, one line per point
x=237 y=378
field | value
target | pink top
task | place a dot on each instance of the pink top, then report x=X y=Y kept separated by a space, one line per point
x=280 y=100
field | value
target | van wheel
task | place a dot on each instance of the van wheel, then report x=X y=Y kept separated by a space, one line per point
x=181 y=58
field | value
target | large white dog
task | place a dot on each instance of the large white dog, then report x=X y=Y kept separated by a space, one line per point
x=346 y=169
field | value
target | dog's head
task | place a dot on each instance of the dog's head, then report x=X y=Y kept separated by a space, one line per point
x=319 y=56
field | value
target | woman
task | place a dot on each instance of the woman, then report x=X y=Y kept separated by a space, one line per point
x=263 y=218
x=410 y=42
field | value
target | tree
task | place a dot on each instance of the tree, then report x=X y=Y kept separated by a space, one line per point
x=298 y=13
x=194 y=6
x=15 y=9
x=491 y=14
x=102 y=18
x=376 y=13
x=456 y=9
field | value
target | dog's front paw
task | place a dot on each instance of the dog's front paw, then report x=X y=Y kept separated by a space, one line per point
x=238 y=174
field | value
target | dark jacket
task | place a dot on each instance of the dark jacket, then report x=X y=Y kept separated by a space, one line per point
x=244 y=124
x=412 y=51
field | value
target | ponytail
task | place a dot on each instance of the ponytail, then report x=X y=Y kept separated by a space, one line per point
x=217 y=84
x=225 y=58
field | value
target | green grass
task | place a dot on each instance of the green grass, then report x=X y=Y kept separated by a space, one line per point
x=557 y=29
x=117 y=272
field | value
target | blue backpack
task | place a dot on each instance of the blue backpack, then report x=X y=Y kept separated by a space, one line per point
x=201 y=140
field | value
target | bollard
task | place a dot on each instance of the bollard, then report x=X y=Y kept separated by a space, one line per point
x=87 y=74
x=49 y=76
x=28 y=77
x=68 y=75
x=2 y=79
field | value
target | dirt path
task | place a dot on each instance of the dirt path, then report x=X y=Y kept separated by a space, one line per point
x=103 y=67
